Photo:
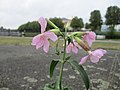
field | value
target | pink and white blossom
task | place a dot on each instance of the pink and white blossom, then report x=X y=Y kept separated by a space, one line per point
x=89 y=37
x=41 y=40
x=94 y=56
x=73 y=46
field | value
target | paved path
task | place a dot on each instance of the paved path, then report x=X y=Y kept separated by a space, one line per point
x=24 y=68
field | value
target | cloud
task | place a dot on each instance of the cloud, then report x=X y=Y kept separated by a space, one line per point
x=16 y=12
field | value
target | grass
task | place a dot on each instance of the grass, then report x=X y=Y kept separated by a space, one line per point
x=15 y=40
x=27 y=41
x=106 y=45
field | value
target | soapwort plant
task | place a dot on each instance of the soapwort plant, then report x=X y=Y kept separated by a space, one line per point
x=72 y=43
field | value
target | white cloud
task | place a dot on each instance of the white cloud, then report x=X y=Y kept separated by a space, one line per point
x=16 y=12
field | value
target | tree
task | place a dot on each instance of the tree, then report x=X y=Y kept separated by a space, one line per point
x=77 y=23
x=95 y=20
x=58 y=22
x=112 y=16
x=87 y=26
x=22 y=28
x=34 y=26
x=30 y=27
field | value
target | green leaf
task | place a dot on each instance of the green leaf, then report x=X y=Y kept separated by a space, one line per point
x=52 y=67
x=48 y=87
x=57 y=83
x=69 y=40
x=66 y=88
x=54 y=86
x=57 y=47
x=82 y=72
x=67 y=58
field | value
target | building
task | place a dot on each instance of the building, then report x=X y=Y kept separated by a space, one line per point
x=105 y=28
x=9 y=32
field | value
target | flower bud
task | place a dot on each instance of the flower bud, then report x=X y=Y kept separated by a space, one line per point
x=68 y=25
x=56 y=31
x=52 y=24
x=82 y=44
x=78 y=34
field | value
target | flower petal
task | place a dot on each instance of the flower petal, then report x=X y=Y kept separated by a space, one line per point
x=96 y=55
x=77 y=45
x=103 y=51
x=36 y=40
x=75 y=49
x=84 y=59
x=43 y=24
x=46 y=45
x=99 y=52
x=68 y=48
x=94 y=59
x=39 y=45
x=89 y=42
x=89 y=37
x=92 y=35
x=51 y=35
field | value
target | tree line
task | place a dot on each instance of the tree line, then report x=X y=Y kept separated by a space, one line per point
x=112 y=18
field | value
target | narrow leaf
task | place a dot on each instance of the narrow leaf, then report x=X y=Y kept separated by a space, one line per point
x=52 y=24
x=82 y=72
x=52 y=67
x=57 y=47
x=69 y=40
x=67 y=58
x=48 y=87
x=57 y=83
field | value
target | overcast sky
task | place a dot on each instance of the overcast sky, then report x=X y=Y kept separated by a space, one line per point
x=16 y=12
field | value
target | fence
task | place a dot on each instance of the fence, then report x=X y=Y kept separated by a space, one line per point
x=7 y=32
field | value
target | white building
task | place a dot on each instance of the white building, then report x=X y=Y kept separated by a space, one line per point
x=105 y=28
x=117 y=27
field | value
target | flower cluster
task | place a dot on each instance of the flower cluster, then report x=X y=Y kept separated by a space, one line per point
x=41 y=40
x=73 y=46
x=72 y=42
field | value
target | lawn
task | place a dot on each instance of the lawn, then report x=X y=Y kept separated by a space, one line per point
x=106 y=45
x=15 y=40
x=27 y=41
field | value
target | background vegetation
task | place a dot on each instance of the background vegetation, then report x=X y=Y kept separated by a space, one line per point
x=28 y=40
x=112 y=18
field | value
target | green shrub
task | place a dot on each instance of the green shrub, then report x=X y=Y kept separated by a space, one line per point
x=31 y=34
x=110 y=35
x=115 y=35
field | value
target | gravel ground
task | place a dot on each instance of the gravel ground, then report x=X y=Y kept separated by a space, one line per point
x=25 y=68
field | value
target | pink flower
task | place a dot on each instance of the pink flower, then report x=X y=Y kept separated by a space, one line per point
x=94 y=56
x=41 y=40
x=73 y=46
x=89 y=37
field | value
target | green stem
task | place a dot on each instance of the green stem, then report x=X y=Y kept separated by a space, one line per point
x=52 y=24
x=62 y=64
x=61 y=71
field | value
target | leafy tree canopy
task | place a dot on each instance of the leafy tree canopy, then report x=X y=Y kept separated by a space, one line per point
x=112 y=15
x=58 y=22
x=95 y=20
x=87 y=26
x=77 y=23
x=30 y=27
